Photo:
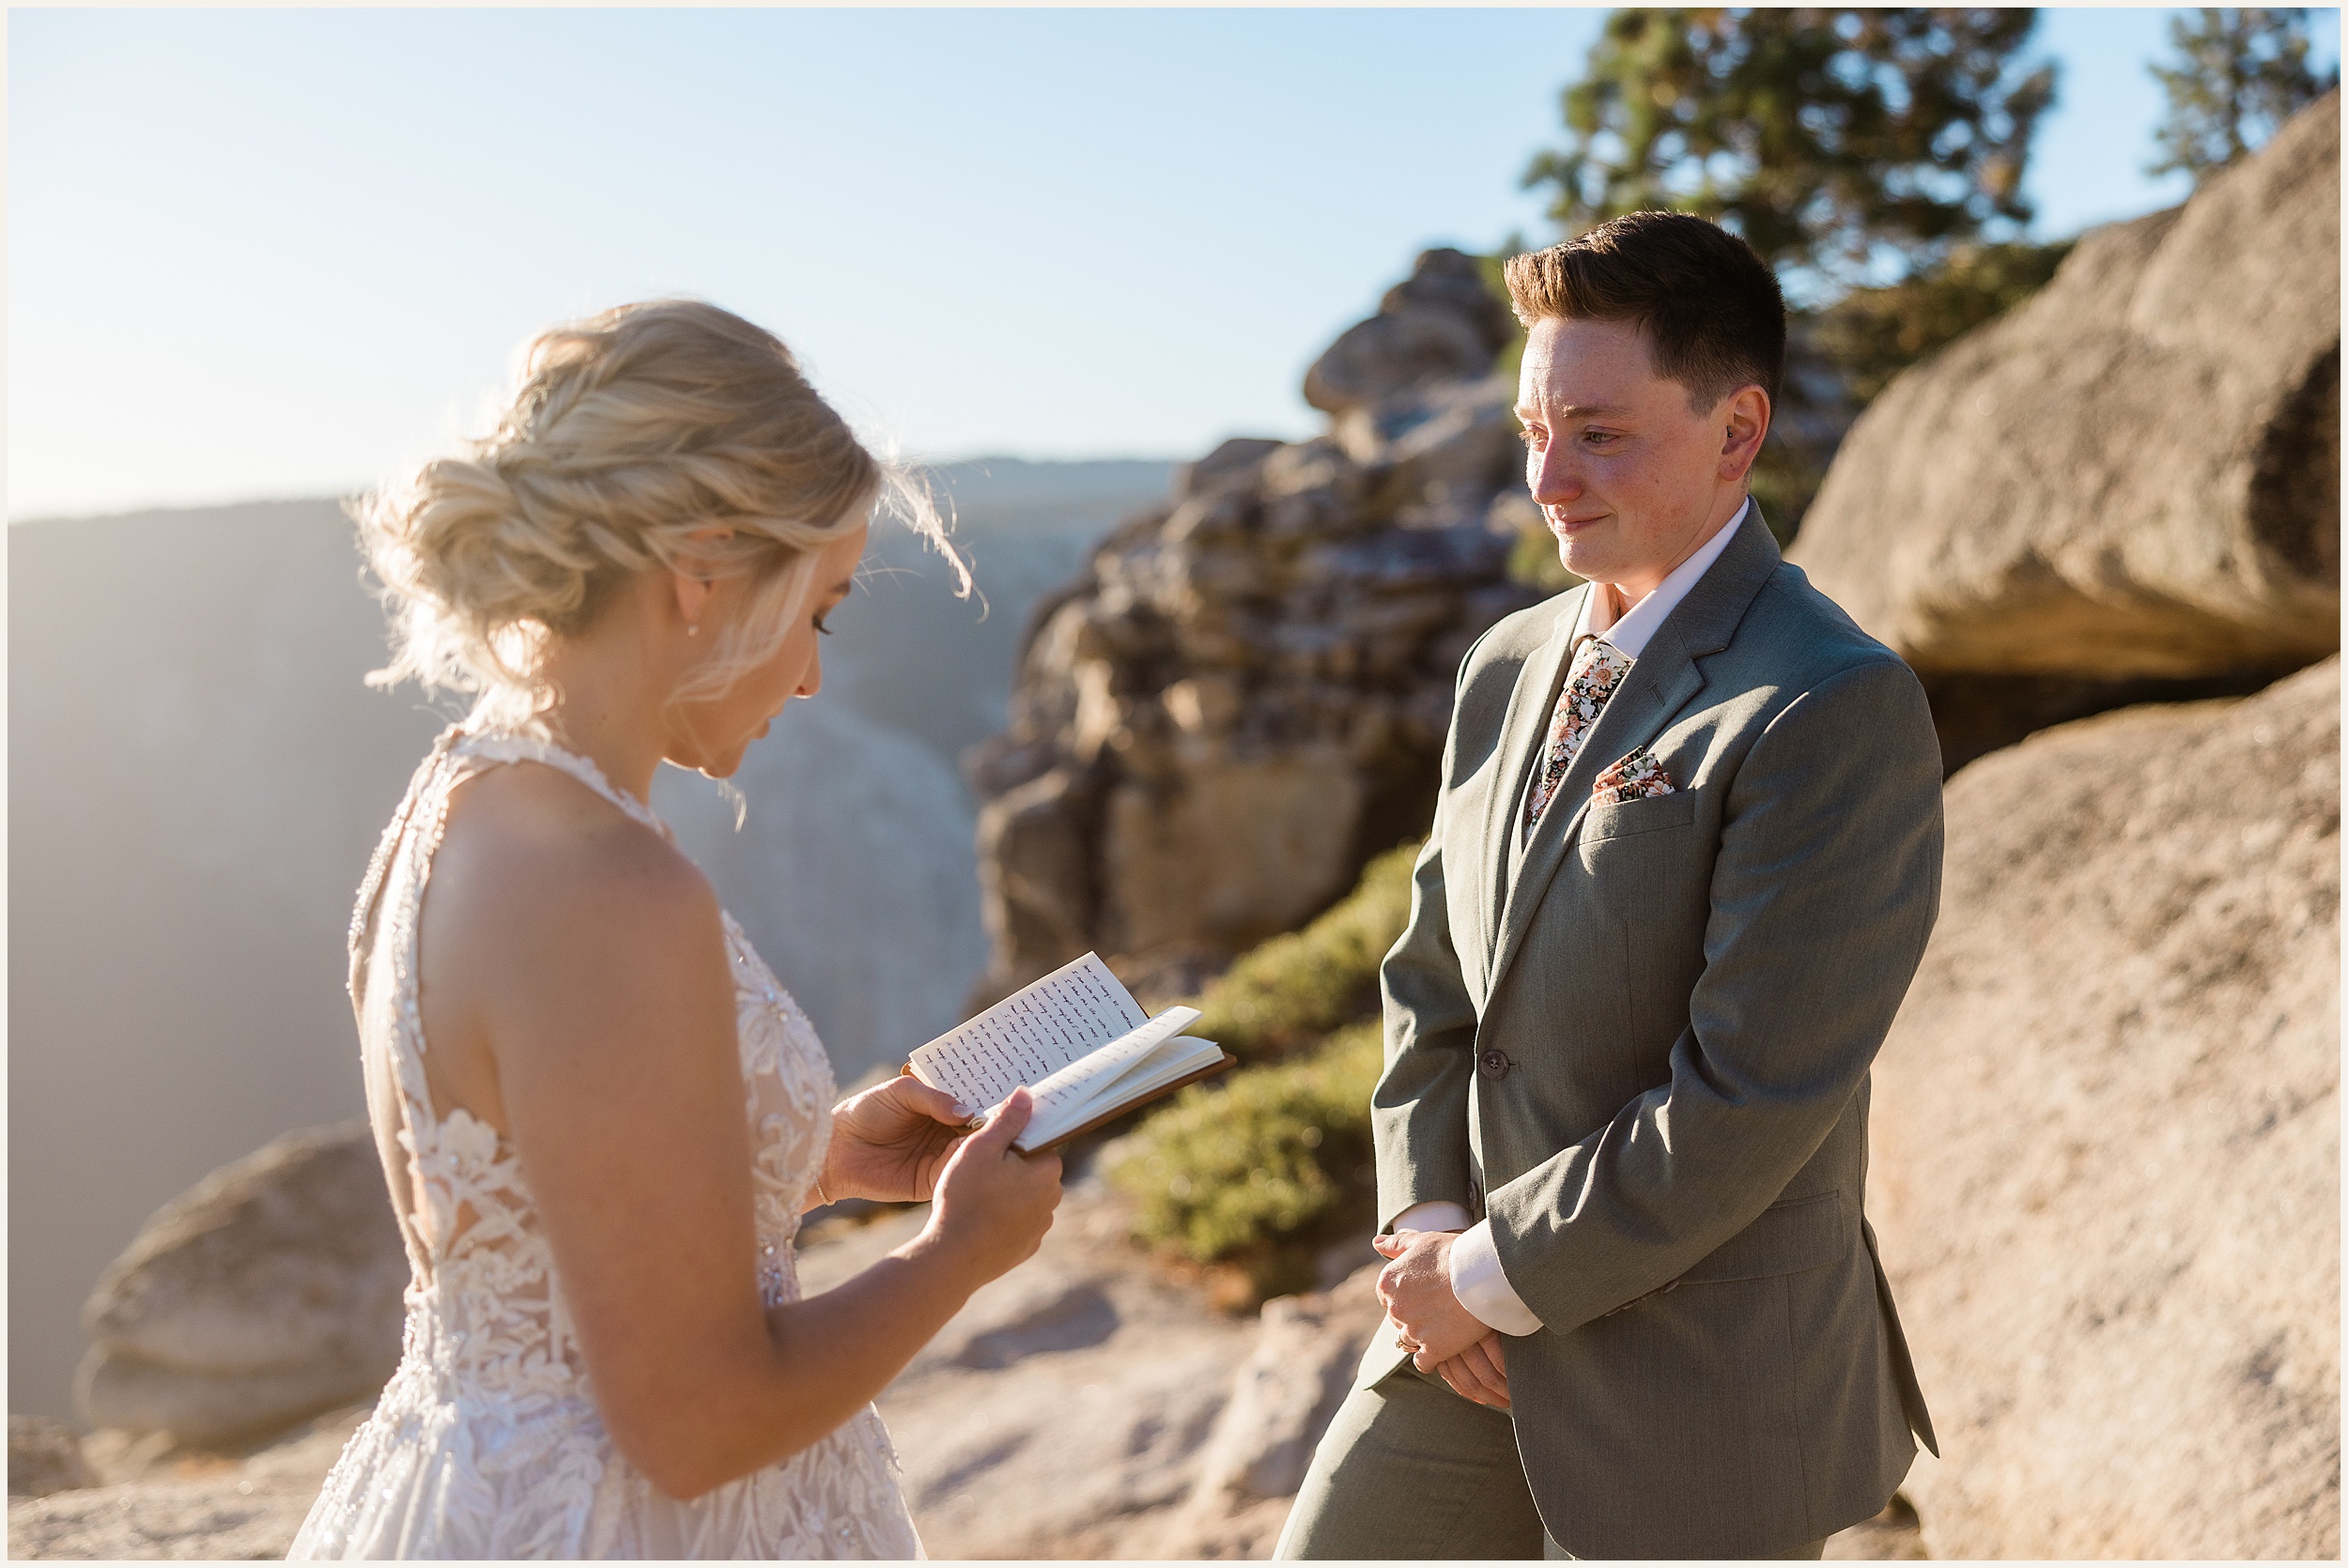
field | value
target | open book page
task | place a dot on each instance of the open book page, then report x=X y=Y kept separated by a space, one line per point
x=1078 y=1084
x=1160 y=1071
x=1027 y=1038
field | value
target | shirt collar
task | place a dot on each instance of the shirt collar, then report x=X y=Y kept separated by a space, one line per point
x=1628 y=636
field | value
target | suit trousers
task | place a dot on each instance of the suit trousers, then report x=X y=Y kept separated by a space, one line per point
x=1410 y=1470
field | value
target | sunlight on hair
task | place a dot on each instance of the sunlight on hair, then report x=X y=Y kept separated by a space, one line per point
x=664 y=436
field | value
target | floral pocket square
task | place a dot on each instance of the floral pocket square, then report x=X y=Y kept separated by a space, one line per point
x=1637 y=776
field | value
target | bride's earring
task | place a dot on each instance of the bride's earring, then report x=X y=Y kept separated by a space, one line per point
x=692 y=628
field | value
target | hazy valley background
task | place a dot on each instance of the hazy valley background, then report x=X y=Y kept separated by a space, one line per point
x=199 y=775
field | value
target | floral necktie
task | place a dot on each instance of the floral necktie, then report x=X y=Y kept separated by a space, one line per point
x=1597 y=670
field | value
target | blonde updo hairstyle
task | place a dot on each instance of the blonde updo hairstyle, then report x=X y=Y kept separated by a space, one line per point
x=668 y=436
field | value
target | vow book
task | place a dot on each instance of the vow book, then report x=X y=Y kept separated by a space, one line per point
x=1080 y=1042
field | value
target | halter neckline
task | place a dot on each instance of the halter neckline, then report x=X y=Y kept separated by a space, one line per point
x=508 y=745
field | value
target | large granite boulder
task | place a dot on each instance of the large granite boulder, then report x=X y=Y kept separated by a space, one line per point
x=2107 y=1135
x=1242 y=697
x=270 y=1291
x=2134 y=475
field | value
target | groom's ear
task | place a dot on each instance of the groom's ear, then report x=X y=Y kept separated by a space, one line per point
x=1744 y=416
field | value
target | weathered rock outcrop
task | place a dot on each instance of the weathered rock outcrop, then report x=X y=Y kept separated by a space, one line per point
x=45 y=1456
x=2132 y=477
x=2106 y=1131
x=1243 y=695
x=268 y=1292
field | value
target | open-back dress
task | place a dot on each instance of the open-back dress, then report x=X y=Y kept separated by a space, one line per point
x=488 y=1442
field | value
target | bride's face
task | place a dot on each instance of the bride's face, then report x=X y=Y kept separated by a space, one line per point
x=712 y=733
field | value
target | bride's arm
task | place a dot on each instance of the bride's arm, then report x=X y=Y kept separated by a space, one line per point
x=613 y=1031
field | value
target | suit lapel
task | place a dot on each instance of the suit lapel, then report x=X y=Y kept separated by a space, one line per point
x=1522 y=733
x=1662 y=682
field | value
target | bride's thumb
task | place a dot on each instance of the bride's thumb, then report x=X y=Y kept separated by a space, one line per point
x=1006 y=1123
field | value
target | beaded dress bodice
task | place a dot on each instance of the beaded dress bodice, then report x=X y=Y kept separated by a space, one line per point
x=487 y=1441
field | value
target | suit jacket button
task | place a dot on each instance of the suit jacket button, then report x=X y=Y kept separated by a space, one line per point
x=1496 y=1063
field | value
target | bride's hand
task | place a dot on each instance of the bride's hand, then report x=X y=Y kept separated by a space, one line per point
x=889 y=1143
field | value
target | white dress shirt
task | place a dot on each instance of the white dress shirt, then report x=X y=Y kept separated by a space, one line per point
x=1477 y=1277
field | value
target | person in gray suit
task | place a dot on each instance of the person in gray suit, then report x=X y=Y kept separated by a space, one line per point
x=1683 y=866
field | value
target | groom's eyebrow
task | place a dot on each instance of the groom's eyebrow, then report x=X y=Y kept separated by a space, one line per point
x=1526 y=412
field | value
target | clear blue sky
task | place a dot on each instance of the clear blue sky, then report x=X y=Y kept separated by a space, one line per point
x=270 y=253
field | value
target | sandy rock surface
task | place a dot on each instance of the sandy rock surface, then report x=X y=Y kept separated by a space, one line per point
x=158 y=1500
x=1076 y=1407
x=1088 y=1405
x=2107 y=1140
x=2136 y=473
x=265 y=1293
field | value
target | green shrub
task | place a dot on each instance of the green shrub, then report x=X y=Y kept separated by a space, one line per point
x=1296 y=988
x=1272 y=1154
x=1259 y=1167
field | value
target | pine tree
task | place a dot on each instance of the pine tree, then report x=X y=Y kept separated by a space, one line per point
x=1842 y=144
x=2244 y=71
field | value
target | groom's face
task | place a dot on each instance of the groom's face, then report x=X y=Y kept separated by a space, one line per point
x=1631 y=477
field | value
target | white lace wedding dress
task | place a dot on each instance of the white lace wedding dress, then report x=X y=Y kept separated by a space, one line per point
x=488 y=1442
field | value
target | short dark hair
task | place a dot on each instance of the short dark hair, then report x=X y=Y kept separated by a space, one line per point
x=1711 y=309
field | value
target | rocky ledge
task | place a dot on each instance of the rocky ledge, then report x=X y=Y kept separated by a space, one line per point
x=1092 y=1403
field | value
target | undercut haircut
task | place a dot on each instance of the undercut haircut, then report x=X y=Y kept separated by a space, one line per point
x=1712 y=311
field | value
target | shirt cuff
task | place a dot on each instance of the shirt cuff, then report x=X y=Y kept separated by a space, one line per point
x=1435 y=1214
x=1482 y=1287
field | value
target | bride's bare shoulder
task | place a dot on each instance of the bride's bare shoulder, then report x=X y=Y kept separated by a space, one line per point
x=528 y=848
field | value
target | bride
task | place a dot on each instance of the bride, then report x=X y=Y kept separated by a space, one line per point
x=600 y=1115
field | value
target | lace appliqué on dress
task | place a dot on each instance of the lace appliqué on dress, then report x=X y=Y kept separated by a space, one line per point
x=487 y=1442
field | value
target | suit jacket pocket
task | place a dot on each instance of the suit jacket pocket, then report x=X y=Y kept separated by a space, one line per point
x=1648 y=863
x=1621 y=819
x=1789 y=1237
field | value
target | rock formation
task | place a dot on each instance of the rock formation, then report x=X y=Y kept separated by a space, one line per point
x=268 y=1292
x=2107 y=1140
x=45 y=1456
x=2129 y=482
x=1243 y=695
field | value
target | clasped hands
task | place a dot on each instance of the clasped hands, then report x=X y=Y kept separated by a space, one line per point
x=1442 y=1336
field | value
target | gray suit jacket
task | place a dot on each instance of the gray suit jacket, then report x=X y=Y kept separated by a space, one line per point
x=1644 y=1057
